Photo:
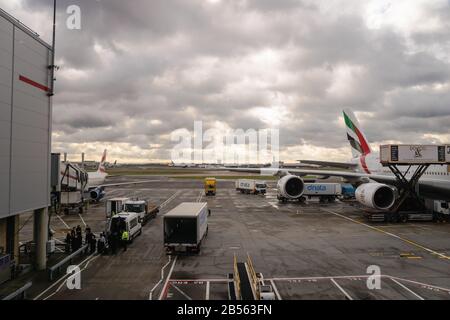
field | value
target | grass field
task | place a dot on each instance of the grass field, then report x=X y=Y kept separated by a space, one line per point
x=185 y=173
x=153 y=171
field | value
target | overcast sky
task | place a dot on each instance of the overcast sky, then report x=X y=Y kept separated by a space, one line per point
x=139 y=69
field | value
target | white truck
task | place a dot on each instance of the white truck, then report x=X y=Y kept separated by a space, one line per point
x=326 y=192
x=125 y=221
x=251 y=186
x=144 y=210
x=442 y=210
x=115 y=206
x=185 y=227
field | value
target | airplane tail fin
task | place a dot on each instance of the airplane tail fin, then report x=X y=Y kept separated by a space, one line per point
x=101 y=166
x=358 y=141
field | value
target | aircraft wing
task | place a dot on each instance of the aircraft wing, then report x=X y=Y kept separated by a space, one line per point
x=328 y=173
x=344 y=165
x=118 y=184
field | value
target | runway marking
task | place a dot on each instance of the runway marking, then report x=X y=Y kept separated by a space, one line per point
x=165 y=203
x=422 y=284
x=165 y=288
x=320 y=278
x=273 y=205
x=62 y=284
x=390 y=234
x=275 y=289
x=180 y=291
x=349 y=297
x=67 y=226
x=362 y=277
x=199 y=281
x=150 y=295
x=407 y=289
x=207 y=290
x=63 y=277
x=200 y=196
x=82 y=220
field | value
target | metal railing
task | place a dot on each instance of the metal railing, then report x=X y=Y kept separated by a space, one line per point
x=21 y=292
x=237 y=280
x=253 y=277
x=57 y=267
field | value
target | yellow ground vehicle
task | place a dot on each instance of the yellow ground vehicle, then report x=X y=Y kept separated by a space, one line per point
x=210 y=186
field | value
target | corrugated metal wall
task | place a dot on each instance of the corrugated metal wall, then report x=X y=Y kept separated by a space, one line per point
x=25 y=120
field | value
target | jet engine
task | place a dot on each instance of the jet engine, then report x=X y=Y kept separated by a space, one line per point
x=97 y=194
x=290 y=187
x=376 y=195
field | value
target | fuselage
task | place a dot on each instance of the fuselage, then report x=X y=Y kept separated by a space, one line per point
x=96 y=178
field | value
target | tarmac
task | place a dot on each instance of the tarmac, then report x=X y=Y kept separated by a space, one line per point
x=305 y=251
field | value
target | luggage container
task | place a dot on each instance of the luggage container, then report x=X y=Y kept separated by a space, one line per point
x=412 y=154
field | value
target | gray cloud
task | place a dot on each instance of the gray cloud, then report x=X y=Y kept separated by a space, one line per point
x=139 y=70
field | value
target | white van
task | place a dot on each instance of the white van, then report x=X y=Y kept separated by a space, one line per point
x=128 y=221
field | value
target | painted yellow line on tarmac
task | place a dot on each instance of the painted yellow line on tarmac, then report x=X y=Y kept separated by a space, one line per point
x=443 y=256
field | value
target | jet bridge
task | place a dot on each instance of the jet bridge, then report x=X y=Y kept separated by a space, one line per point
x=408 y=163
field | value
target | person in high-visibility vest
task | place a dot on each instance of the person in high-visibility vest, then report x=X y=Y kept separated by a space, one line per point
x=125 y=238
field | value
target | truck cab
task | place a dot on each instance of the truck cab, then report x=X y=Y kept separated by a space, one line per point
x=261 y=187
x=141 y=208
x=210 y=186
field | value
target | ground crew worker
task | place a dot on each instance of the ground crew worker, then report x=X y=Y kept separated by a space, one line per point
x=101 y=244
x=68 y=242
x=125 y=238
x=112 y=240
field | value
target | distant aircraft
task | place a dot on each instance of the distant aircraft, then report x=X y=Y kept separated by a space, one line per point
x=97 y=181
x=364 y=169
x=182 y=165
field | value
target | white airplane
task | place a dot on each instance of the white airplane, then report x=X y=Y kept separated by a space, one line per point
x=98 y=177
x=97 y=181
x=182 y=165
x=364 y=168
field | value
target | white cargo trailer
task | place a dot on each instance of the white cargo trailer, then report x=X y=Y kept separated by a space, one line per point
x=251 y=186
x=406 y=154
x=324 y=191
x=185 y=227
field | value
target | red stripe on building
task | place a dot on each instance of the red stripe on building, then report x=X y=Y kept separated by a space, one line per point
x=34 y=83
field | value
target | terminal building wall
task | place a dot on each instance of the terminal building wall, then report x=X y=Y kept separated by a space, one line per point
x=25 y=119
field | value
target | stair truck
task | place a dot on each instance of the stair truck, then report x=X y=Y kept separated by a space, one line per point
x=185 y=227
